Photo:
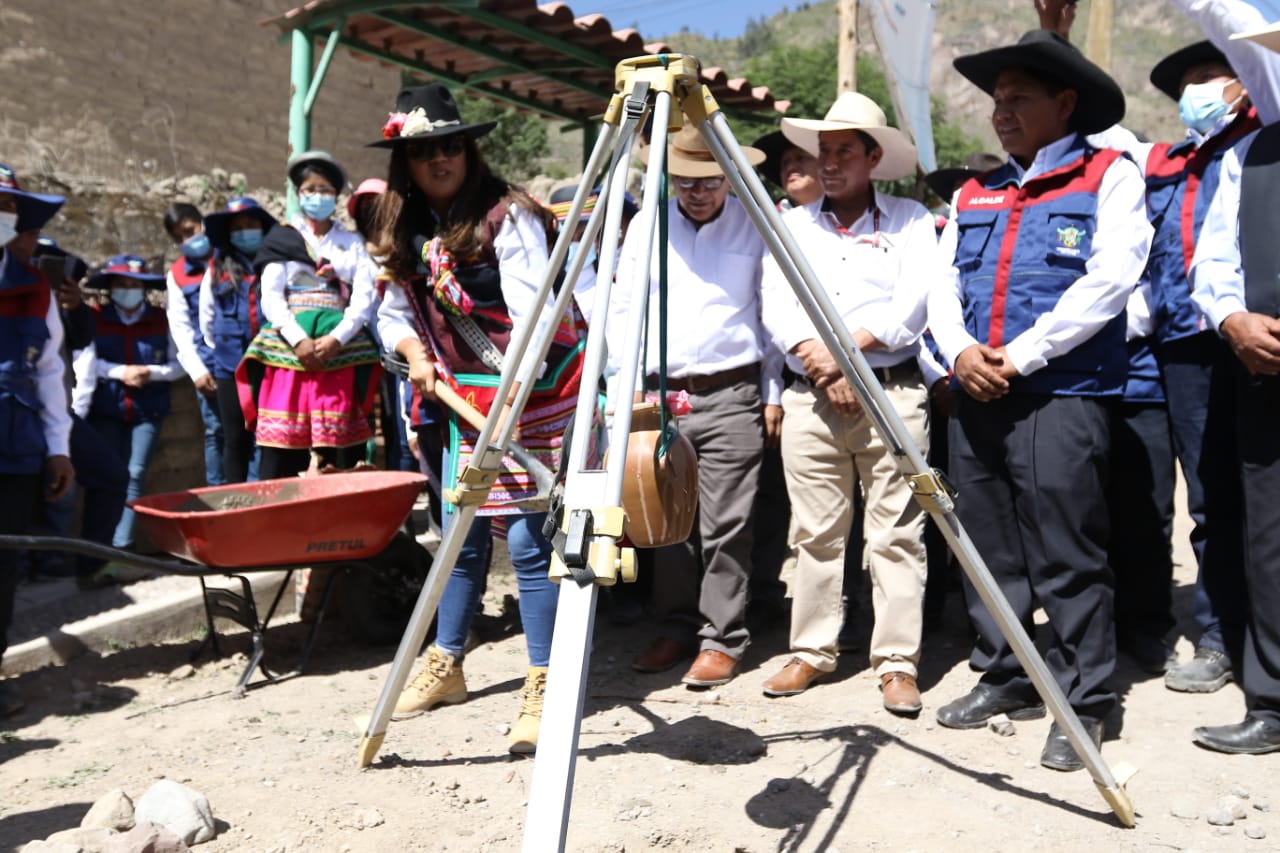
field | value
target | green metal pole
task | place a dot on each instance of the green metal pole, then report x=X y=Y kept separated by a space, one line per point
x=299 y=118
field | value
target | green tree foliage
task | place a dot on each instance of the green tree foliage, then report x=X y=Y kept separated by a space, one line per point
x=515 y=148
x=806 y=76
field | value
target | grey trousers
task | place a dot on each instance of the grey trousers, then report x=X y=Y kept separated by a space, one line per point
x=726 y=429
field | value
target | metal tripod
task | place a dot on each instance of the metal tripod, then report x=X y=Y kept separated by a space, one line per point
x=593 y=520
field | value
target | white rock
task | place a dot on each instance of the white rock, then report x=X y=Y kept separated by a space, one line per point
x=43 y=846
x=1220 y=817
x=369 y=818
x=1002 y=725
x=1235 y=805
x=113 y=810
x=183 y=811
x=184 y=671
x=1185 y=811
x=90 y=840
x=1257 y=833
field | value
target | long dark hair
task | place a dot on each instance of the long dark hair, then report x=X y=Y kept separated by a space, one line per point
x=403 y=212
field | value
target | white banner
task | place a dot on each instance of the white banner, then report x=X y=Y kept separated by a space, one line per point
x=903 y=30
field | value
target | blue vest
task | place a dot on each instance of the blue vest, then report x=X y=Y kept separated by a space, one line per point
x=234 y=320
x=1143 y=383
x=24 y=332
x=187 y=275
x=1019 y=248
x=143 y=342
x=1181 y=181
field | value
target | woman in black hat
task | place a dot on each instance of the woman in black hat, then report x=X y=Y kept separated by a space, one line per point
x=465 y=253
x=309 y=377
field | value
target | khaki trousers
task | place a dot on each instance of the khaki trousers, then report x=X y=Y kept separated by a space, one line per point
x=825 y=455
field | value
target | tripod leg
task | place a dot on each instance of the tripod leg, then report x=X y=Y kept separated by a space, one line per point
x=551 y=790
x=876 y=403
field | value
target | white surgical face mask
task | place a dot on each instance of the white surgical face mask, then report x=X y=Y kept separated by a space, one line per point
x=127 y=298
x=8 y=227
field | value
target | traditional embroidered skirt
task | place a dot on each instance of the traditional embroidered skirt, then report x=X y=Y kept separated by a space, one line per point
x=292 y=408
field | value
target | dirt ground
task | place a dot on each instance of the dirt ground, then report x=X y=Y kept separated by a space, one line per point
x=660 y=767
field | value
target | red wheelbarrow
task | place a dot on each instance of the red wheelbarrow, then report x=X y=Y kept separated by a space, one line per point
x=334 y=521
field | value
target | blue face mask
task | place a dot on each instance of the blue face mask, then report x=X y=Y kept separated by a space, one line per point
x=576 y=247
x=1201 y=105
x=127 y=299
x=248 y=241
x=318 y=207
x=196 y=247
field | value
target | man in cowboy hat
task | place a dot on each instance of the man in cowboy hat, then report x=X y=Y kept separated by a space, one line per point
x=1234 y=273
x=35 y=423
x=1047 y=251
x=716 y=351
x=876 y=256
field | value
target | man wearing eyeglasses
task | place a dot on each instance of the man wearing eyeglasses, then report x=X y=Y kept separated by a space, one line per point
x=715 y=350
x=875 y=255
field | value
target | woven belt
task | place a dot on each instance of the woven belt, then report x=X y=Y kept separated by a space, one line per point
x=903 y=371
x=709 y=381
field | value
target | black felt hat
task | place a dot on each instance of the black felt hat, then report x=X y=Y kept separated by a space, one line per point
x=774 y=145
x=1099 y=104
x=943 y=182
x=427 y=112
x=1167 y=75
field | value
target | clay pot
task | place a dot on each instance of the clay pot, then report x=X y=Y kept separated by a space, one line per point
x=659 y=495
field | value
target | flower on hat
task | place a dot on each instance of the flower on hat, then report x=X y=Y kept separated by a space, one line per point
x=395 y=122
x=413 y=123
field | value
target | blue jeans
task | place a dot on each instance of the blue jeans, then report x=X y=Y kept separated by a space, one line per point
x=531 y=558
x=135 y=444
x=213 y=473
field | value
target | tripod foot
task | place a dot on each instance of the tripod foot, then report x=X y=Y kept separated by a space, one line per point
x=369 y=746
x=1117 y=797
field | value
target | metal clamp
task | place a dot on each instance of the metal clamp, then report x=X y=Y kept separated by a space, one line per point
x=474 y=485
x=589 y=551
x=933 y=491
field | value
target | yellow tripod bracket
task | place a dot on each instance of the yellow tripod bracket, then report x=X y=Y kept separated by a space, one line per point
x=474 y=485
x=675 y=73
x=590 y=543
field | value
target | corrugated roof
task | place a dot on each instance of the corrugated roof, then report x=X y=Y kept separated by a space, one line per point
x=538 y=58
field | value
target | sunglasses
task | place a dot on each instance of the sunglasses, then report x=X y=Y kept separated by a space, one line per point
x=429 y=149
x=709 y=184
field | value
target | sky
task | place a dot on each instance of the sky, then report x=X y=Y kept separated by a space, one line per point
x=665 y=17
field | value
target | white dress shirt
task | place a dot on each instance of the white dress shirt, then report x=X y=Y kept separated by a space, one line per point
x=89 y=369
x=343 y=249
x=1217 y=274
x=184 y=336
x=1257 y=67
x=1121 y=241
x=521 y=247
x=877 y=274
x=713 y=298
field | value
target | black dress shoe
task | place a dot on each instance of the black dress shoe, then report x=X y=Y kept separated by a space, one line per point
x=975 y=708
x=1252 y=737
x=1058 y=752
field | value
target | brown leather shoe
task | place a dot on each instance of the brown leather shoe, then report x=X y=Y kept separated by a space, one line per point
x=901 y=695
x=793 y=678
x=662 y=654
x=710 y=668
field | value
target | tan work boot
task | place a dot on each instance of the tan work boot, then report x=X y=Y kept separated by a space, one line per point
x=524 y=734
x=439 y=682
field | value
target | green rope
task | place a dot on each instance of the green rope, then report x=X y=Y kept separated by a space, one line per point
x=668 y=423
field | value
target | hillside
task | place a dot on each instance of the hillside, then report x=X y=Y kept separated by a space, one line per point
x=1146 y=30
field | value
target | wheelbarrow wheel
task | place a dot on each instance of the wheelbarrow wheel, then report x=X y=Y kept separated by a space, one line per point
x=378 y=598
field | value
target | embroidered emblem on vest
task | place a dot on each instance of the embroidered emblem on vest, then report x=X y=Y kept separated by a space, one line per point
x=987 y=199
x=1069 y=238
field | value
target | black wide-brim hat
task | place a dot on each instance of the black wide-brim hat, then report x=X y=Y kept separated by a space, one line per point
x=438 y=117
x=1099 y=104
x=943 y=182
x=218 y=225
x=774 y=145
x=1167 y=75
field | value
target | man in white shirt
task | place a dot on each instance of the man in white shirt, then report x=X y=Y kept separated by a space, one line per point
x=876 y=256
x=1047 y=251
x=716 y=347
x=1234 y=274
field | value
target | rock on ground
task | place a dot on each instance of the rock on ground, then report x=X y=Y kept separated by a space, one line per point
x=146 y=838
x=113 y=810
x=182 y=810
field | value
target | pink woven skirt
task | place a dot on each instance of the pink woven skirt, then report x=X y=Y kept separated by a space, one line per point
x=299 y=410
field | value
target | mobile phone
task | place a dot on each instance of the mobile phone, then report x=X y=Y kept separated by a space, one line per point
x=54 y=269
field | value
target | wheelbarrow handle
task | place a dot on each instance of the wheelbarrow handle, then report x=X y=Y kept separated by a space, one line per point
x=444 y=392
